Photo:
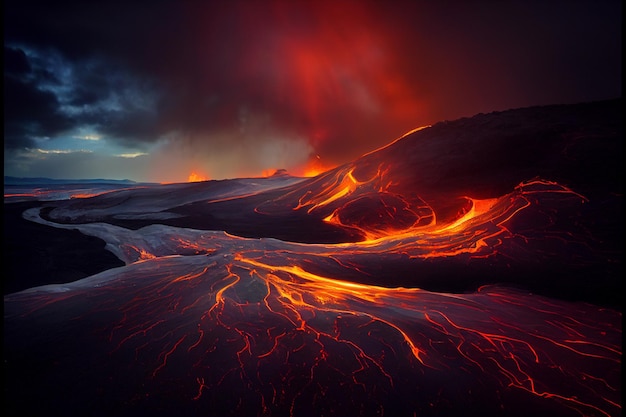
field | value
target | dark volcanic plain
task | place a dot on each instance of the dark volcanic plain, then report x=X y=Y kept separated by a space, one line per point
x=469 y=268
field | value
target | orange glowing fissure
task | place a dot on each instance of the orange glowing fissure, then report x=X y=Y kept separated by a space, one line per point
x=327 y=291
x=316 y=167
x=347 y=185
x=196 y=177
x=257 y=304
x=423 y=219
x=308 y=312
x=312 y=168
x=243 y=305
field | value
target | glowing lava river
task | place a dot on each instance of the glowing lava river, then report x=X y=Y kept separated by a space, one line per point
x=442 y=275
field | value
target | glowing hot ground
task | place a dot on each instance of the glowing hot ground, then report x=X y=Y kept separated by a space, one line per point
x=245 y=329
x=387 y=286
x=246 y=326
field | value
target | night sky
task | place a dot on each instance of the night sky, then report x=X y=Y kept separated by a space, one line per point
x=158 y=90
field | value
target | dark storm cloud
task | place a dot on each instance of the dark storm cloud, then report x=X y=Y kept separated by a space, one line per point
x=347 y=76
x=117 y=103
x=28 y=111
x=15 y=63
x=103 y=46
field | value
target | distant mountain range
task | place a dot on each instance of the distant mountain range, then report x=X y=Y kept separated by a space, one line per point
x=8 y=180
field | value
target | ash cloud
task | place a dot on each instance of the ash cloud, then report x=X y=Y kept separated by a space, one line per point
x=340 y=78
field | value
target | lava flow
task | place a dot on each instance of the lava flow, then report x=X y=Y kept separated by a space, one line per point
x=244 y=329
x=449 y=299
x=245 y=325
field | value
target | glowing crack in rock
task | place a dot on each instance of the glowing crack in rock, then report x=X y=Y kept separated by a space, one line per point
x=248 y=319
x=206 y=322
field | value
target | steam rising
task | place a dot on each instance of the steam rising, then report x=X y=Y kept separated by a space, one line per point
x=235 y=88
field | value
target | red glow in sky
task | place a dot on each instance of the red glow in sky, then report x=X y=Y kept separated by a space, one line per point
x=238 y=88
x=335 y=64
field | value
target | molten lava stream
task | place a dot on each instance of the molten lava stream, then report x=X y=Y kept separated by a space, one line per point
x=249 y=326
x=280 y=336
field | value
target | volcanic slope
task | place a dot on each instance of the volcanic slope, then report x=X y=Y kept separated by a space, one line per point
x=392 y=317
x=437 y=168
x=509 y=196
